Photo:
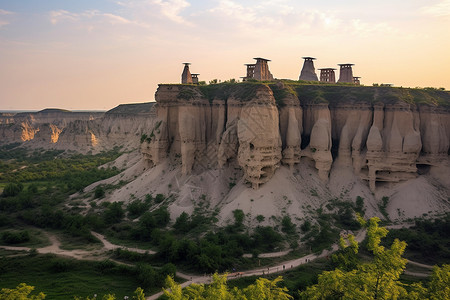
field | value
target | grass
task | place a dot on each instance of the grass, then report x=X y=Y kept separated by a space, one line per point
x=81 y=278
x=38 y=239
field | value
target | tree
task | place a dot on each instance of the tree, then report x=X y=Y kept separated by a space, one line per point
x=21 y=292
x=378 y=279
x=262 y=289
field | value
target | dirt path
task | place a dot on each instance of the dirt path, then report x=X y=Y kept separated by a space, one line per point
x=281 y=267
x=109 y=246
x=55 y=248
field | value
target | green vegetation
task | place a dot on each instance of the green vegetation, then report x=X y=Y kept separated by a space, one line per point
x=218 y=289
x=378 y=278
x=63 y=278
x=317 y=92
x=383 y=205
x=244 y=91
x=37 y=183
x=428 y=241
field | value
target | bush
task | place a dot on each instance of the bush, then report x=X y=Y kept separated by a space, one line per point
x=12 y=189
x=159 y=198
x=182 y=223
x=137 y=208
x=99 y=192
x=287 y=226
x=114 y=213
x=15 y=237
x=306 y=226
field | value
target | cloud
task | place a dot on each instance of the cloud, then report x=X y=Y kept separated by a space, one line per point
x=172 y=8
x=158 y=9
x=57 y=16
x=286 y=18
x=115 y=19
x=441 y=9
x=5 y=12
x=4 y=22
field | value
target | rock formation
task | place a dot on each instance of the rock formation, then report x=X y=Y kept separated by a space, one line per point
x=371 y=129
x=386 y=135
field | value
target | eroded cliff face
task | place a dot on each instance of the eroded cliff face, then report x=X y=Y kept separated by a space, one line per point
x=382 y=137
x=79 y=131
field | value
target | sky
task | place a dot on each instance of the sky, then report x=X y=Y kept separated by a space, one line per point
x=96 y=54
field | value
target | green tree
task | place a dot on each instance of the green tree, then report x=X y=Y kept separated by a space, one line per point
x=378 y=279
x=262 y=289
x=21 y=292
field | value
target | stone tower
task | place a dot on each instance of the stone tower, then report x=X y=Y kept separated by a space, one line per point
x=186 y=77
x=308 y=72
x=346 y=73
x=327 y=75
x=261 y=71
x=195 y=78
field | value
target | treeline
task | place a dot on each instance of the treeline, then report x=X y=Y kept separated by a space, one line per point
x=75 y=171
x=428 y=240
x=218 y=249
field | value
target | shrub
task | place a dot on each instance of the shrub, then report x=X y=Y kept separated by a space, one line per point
x=99 y=192
x=287 y=226
x=12 y=189
x=15 y=237
x=114 y=213
x=360 y=205
x=159 y=198
x=306 y=226
x=260 y=218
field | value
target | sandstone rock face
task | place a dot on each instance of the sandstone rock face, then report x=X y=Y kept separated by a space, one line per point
x=207 y=135
x=79 y=131
x=382 y=140
x=255 y=128
x=259 y=139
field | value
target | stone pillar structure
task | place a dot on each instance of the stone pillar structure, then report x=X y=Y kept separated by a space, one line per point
x=308 y=72
x=327 y=75
x=346 y=73
x=262 y=69
x=186 y=77
x=250 y=72
x=195 y=78
x=356 y=81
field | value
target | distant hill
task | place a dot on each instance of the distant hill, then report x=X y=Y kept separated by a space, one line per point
x=133 y=108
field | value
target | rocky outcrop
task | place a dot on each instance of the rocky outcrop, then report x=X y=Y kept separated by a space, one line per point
x=380 y=135
x=79 y=131
x=209 y=134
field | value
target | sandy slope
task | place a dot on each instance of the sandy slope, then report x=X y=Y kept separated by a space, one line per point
x=298 y=192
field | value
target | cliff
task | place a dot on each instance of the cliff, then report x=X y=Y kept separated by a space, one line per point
x=384 y=133
x=78 y=131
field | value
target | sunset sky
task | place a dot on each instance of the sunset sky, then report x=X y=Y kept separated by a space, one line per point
x=96 y=54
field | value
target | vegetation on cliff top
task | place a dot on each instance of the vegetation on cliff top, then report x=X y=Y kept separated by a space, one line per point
x=314 y=92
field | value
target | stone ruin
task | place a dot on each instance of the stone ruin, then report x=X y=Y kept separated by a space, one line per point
x=346 y=73
x=259 y=71
x=327 y=75
x=187 y=77
x=308 y=72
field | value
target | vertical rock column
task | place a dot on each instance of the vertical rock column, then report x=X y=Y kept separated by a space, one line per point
x=259 y=152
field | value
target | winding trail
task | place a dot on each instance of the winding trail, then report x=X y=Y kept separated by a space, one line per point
x=99 y=255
